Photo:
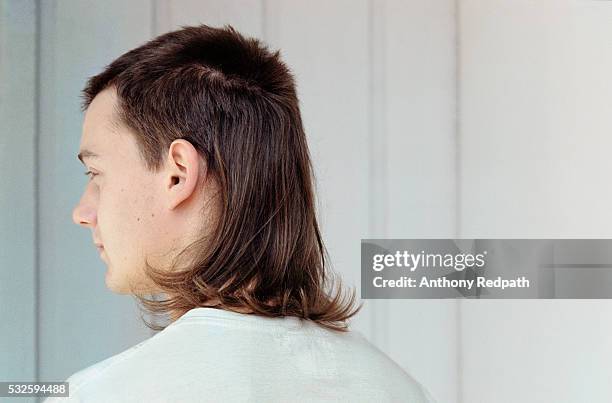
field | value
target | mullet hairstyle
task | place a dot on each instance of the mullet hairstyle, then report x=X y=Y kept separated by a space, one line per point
x=236 y=102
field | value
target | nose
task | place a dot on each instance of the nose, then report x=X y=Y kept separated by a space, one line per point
x=85 y=213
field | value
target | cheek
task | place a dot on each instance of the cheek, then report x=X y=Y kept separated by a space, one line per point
x=123 y=211
x=140 y=209
x=130 y=212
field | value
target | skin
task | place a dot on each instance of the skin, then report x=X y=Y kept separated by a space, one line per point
x=135 y=213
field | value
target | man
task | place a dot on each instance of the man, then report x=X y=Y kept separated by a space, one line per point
x=201 y=191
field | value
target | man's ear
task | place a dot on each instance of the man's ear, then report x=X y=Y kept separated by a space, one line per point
x=183 y=172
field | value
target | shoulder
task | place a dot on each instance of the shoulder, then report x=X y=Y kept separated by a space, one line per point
x=80 y=381
x=384 y=371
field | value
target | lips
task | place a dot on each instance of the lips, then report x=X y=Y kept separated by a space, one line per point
x=100 y=247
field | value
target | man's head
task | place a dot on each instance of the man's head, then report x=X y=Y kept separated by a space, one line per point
x=203 y=183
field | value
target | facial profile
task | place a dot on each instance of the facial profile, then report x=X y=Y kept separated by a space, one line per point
x=134 y=213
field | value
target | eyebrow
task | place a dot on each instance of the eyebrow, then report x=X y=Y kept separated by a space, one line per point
x=86 y=154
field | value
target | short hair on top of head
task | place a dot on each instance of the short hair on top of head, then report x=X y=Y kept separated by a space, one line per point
x=236 y=102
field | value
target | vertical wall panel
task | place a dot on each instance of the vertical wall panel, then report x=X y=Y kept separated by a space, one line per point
x=419 y=81
x=420 y=97
x=535 y=140
x=81 y=321
x=17 y=190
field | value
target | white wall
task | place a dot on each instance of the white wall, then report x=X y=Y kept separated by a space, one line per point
x=534 y=147
x=415 y=121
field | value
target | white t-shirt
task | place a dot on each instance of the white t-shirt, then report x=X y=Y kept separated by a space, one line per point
x=213 y=355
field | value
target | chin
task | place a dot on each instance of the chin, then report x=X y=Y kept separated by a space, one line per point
x=115 y=286
x=116 y=289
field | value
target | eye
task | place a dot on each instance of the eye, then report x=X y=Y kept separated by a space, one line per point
x=90 y=174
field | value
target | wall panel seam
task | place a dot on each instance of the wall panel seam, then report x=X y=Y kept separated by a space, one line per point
x=458 y=188
x=377 y=142
x=36 y=174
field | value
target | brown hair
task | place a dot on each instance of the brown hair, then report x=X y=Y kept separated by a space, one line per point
x=236 y=102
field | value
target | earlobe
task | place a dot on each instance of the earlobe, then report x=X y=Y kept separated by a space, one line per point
x=184 y=168
x=181 y=187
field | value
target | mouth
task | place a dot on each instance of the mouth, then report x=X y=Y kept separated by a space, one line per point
x=100 y=247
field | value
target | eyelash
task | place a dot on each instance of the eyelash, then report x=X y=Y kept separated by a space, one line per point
x=90 y=173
